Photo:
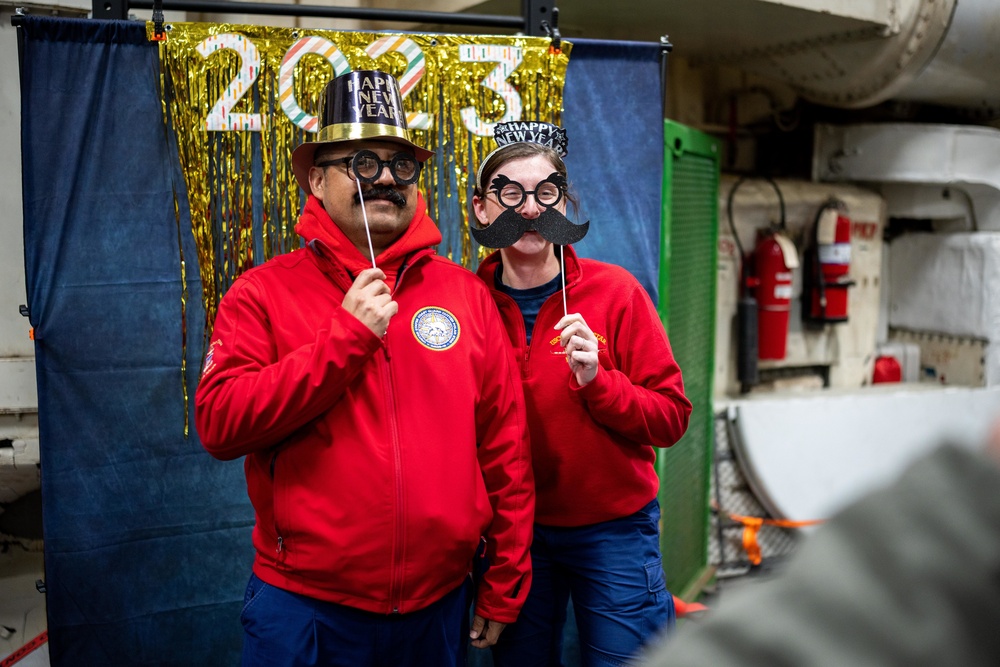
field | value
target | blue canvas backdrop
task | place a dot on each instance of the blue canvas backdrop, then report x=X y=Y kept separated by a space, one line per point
x=147 y=538
x=613 y=115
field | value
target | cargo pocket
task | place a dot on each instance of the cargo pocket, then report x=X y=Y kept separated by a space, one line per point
x=655 y=580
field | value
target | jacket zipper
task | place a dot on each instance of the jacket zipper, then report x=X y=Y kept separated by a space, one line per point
x=395 y=578
x=523 y=330
x=398 y=556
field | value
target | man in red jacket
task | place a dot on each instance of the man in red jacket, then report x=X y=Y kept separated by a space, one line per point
x=363 y=379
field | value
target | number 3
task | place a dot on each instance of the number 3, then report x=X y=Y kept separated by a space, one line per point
x=507 y=59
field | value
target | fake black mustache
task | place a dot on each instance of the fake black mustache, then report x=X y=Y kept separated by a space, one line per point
x=510 y=226
x=386 y=192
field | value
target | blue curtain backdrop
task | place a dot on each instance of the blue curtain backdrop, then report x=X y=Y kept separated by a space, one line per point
x=147 y=538
x=613 y=114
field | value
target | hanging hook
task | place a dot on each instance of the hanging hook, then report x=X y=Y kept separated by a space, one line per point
x=665 y=45
x=553 y=31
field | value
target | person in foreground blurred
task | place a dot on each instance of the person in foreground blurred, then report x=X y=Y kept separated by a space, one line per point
x=384 y=431
x=907 y=575
x=602 y=390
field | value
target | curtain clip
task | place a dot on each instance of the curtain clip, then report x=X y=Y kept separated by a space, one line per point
x=159 y=35
x=553 y=32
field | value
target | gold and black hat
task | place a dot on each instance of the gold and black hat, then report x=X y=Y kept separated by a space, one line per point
x=363 y=104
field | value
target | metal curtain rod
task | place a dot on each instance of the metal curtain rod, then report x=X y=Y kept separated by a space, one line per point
x=235 y=7
x=538 y=17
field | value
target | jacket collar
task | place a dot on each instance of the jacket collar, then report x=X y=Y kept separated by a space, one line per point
x=329 y=242
x=574 y=271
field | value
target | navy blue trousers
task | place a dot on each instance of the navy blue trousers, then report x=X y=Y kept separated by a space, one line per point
x=614 y=573
x=282 y=629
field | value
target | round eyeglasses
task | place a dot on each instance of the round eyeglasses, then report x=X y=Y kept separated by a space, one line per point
x=512 y=194
x=366 y=166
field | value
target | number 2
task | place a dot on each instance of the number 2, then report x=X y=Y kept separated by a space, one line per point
x=221 y=117
x=414 y=72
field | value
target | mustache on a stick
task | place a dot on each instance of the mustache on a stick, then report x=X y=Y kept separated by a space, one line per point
x=510 y=226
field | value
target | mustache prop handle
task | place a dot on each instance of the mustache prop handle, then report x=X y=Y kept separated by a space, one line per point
x=368 y=233
x=562 y=272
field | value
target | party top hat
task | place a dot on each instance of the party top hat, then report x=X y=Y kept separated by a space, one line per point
x=363 y=104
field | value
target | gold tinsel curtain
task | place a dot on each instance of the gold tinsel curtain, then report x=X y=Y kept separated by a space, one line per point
x=239 y=98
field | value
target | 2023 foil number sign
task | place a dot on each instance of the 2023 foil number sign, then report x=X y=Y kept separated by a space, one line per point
x=222 y=118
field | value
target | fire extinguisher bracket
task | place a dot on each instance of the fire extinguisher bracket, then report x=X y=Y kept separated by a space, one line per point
x=828 y=279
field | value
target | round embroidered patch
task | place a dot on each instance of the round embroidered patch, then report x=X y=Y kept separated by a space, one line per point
x=435 y=328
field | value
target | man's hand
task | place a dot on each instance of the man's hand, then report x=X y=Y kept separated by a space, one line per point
x=581 y=347
x=370 y=301
x=481 y=638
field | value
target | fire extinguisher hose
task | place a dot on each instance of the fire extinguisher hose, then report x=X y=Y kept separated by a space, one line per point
x=747 y=341
x=744 y=271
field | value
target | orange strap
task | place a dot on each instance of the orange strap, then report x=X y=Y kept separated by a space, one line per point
x=25 y=650
x=751 y=526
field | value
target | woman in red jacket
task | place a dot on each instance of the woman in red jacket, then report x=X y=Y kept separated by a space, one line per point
x=602 y=390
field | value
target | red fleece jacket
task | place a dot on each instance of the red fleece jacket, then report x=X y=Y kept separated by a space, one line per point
x=592 y=446
x=373 y=465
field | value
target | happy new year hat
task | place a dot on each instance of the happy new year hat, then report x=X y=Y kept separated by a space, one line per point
x=521 y=131
x=363 y=104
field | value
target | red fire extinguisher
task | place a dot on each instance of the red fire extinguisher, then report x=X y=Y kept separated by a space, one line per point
x=774 y=258
x=829 y=277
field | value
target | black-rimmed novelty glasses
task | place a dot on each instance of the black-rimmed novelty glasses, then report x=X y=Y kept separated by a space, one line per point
x=366 y=166
x=512 y=194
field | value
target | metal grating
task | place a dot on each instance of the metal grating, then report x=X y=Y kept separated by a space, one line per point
x=687 y=307
x=731 y=494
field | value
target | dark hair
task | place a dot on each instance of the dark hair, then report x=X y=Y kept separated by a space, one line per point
x=518 y=151
x=324 y=150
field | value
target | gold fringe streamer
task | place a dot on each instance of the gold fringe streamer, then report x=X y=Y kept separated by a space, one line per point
x=241 y=193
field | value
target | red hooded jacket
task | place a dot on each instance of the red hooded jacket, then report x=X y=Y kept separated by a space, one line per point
x=593 y=446
x=374 y=465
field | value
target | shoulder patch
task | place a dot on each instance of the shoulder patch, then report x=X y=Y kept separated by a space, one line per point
x=435 y=328
x=210 y=357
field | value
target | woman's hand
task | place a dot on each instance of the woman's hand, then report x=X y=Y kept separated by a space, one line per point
x=581 y=347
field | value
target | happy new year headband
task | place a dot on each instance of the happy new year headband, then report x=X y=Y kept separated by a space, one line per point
x=530 y=132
